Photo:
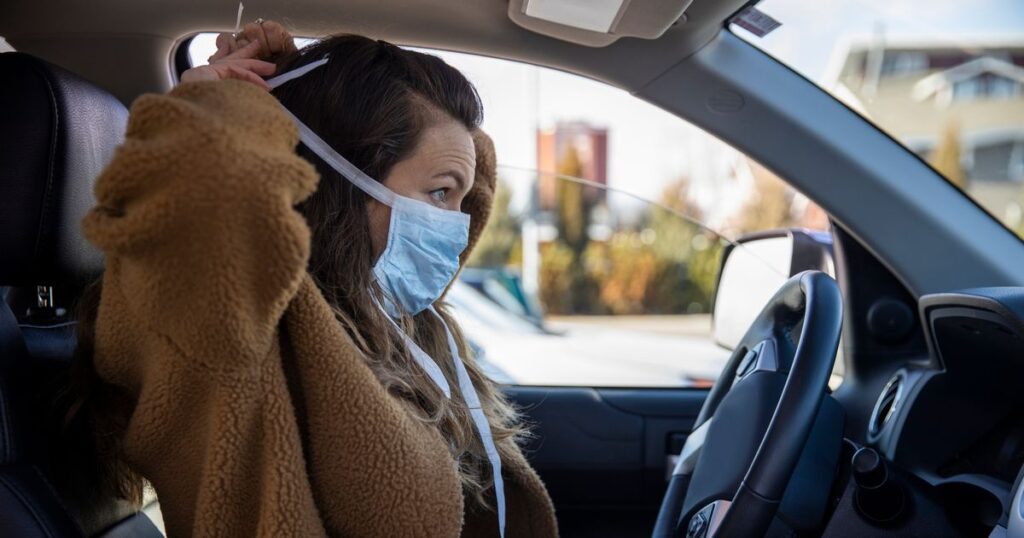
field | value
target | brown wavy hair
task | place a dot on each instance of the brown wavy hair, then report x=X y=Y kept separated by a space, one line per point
x=370 y=102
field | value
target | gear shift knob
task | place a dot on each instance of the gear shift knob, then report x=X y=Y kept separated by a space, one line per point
x=878 y=498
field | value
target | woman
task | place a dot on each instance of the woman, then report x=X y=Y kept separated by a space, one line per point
x=266 y=324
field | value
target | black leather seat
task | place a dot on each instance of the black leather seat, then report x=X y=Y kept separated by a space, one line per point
x=57 y=132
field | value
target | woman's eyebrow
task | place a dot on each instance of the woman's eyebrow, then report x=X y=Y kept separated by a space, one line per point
x=459 y=178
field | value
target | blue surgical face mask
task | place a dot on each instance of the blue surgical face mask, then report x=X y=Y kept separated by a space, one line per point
x=422 y=254
x=424 y=242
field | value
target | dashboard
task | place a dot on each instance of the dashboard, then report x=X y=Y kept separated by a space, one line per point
x=956 y=419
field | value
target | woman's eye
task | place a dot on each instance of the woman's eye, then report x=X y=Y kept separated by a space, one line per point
x=439 y=195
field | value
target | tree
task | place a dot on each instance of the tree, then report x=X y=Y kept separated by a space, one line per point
x=502 y=236
x=688 y=252
x=556 y=279
x=668 y=267
x=702 y=271
x=573 y=224
x=769 y=205
x=946 y=157
x=624 y=270
x=573 y=219
x=674 y=230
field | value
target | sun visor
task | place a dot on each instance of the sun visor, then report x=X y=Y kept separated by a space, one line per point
x=597 y=23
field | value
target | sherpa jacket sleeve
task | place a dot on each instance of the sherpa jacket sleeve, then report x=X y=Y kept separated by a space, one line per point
x=204 y=251
x=198 y=208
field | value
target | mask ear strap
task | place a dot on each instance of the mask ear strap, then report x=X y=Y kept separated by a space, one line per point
x=422 y=359
x=483 y=427
x=324 y=150
x=295 y=73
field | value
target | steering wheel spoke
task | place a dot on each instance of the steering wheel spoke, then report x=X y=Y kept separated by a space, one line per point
x=690 y=453
x=761 y=358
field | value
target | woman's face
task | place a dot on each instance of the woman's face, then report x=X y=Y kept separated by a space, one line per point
x=439 y=171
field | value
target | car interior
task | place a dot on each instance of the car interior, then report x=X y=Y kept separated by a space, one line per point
x=924 y=437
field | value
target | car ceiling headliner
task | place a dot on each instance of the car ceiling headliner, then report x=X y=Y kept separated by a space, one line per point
x=126 y=45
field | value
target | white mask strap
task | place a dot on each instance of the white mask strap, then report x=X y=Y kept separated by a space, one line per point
x=295 y=73
x=323 y=150
x=483 y=427
x=422 y=359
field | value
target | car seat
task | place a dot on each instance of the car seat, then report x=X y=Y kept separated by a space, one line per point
x=57 y=132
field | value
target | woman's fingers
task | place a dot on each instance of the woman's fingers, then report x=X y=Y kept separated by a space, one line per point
x=200 y=73
x=279 y=41
x=259 y=67
x=240 y=73
x=226 y=44
x=250 y=50
x=253 y=32
x=243 y=56
x=269 y=39
x=273 y=38
x=248 y=70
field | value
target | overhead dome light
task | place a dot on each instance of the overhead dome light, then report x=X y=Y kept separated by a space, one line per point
x=597 y=23
x=592 y=15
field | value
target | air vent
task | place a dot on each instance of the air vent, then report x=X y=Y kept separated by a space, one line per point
x=885 y=408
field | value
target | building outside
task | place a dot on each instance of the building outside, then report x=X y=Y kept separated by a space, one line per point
x=589 y=145
x=935 y=96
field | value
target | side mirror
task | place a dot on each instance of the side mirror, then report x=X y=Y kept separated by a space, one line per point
x=755 y=267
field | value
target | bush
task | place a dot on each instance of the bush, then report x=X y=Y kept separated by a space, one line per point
x=626 y=276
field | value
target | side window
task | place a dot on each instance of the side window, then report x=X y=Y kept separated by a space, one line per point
x=599 y=265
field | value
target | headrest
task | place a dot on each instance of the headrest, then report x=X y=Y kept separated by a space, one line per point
x=57 y=132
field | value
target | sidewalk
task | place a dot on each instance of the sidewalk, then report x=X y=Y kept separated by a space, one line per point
x=679 y=325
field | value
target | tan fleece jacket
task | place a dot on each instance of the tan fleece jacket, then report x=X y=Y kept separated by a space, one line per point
x=206 y=302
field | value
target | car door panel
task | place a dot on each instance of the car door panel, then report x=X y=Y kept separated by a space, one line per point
x=604 y=453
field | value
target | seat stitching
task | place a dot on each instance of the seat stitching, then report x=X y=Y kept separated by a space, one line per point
x=48 y=191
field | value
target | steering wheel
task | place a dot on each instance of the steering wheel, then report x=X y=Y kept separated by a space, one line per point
x=734 y=467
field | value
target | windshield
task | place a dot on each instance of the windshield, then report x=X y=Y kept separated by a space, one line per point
x=943 y=77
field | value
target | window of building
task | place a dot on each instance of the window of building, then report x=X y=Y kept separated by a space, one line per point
x=986 y=86
x=904 y=63
x=993 y=161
